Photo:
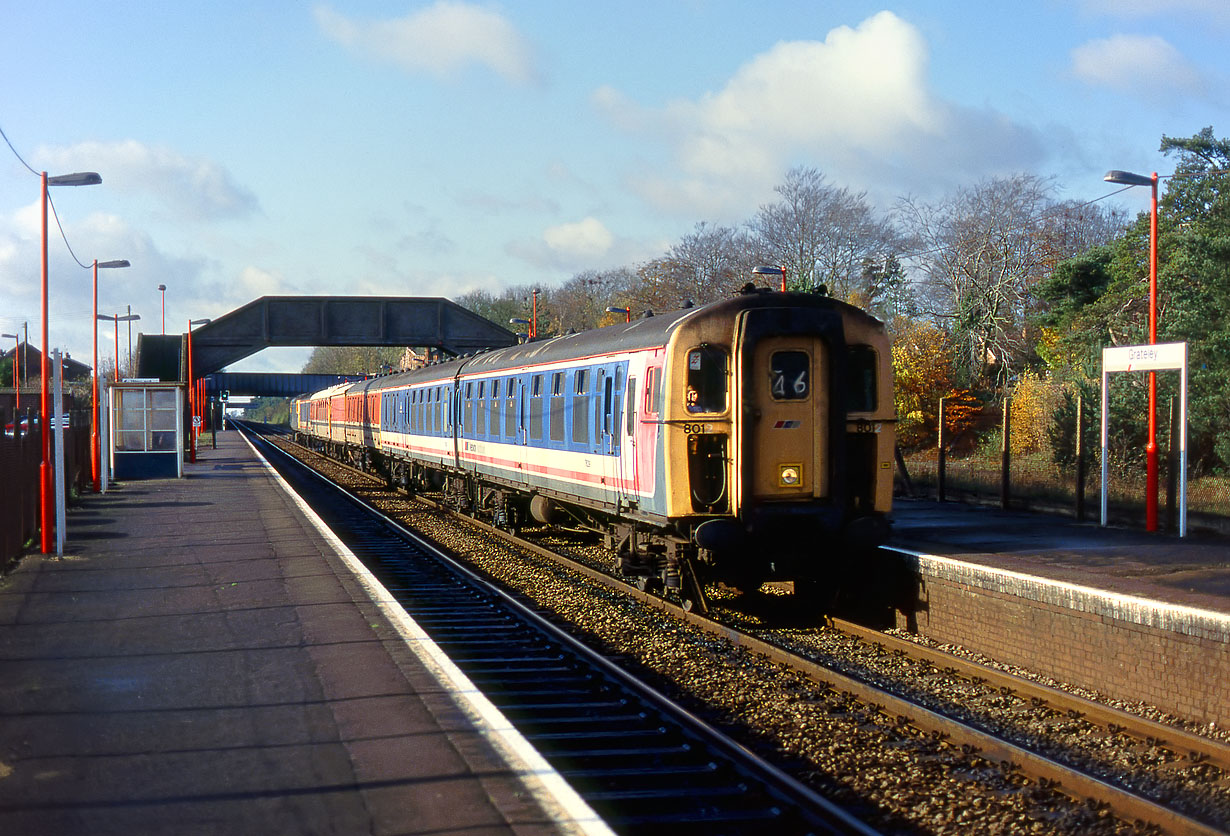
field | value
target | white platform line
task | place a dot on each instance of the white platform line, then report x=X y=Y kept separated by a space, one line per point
x=1133 y=609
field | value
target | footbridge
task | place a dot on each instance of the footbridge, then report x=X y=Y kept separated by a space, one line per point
x=270 y=321
x=271 y=384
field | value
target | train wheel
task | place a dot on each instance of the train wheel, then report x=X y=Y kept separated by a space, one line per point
x=644 y=583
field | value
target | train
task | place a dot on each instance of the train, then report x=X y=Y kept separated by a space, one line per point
x=745 y=440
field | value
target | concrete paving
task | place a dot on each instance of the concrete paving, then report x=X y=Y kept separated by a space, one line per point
x=1192 y=571
x=202 y=662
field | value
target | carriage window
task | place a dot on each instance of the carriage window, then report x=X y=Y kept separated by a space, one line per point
x=557 y=406
x=861 y=379
x=510 y=411
x=706 y=390
x=653 y=390
x=536 y=409
x=580 y=408
x=790 y=376
x=631 y=406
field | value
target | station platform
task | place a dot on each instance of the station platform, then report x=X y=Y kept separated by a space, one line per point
x=1192 y=571
x=201 y=661
x=1127 y=613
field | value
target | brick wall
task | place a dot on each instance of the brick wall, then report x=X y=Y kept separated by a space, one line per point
x=1176 y=658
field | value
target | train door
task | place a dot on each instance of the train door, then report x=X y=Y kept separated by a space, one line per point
x=647 y=424
x=789 y=387
x=609 y=391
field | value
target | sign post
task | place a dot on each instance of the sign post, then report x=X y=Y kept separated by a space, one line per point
x=1141 y=358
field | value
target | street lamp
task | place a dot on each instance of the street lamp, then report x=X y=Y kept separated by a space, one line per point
x=520 y=320
x=16 y=383
x=84 y=178
x=117 y=318
x=771 y=271
x=95 y=464
x=162 y=288
x=627 y=312
x=534 y=317
x=1127 y=178
x=191 y=388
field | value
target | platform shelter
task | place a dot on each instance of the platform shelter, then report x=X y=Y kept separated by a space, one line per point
x=145 y=429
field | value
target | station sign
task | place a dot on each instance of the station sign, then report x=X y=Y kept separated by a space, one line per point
x=1144 y=358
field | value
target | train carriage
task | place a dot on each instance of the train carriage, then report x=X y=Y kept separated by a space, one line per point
x=744 y=439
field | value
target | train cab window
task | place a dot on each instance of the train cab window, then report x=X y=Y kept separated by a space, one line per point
x=791 y=376
x=861 y=379
x=706 y=380
x=653 y=390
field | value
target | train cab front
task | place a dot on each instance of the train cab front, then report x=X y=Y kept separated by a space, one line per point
x=808 y=479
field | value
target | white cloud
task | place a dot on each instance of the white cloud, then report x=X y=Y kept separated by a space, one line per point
x=587 y=238
x=1142 y=65
x=586 y=244
x=858 y=102
x=441 y=40
x=189 y=188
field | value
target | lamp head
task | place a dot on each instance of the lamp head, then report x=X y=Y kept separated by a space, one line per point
x=1127 y=178
x=83 y=178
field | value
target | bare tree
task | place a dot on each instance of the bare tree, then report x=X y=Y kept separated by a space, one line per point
x=822 y=235
x=979 y=253
x=707 y=264
x=581 y=302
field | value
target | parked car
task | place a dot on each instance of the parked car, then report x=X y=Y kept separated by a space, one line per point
x=24 y=423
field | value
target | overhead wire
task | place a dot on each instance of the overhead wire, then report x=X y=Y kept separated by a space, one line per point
x=15 y=154
x=59 y=225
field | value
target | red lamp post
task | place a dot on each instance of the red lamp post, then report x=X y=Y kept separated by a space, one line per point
x=95 y=464
x=117 y=318
x=1127 y=178
x=627 y=312
x=86 y=178
x=192 y=394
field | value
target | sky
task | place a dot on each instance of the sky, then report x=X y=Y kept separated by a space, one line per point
x=382 y=147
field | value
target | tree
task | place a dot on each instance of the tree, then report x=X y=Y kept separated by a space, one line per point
x=1107 y=300
x=981 y=252
x=922 y=374
x=707 y=264
x=353 y=359
x=581 y=302
x=821 y=234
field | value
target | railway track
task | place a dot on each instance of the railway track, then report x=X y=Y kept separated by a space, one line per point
x=1099 y=794
x=645 y=764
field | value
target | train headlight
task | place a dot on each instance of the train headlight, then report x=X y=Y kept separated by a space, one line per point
x=789 y=475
